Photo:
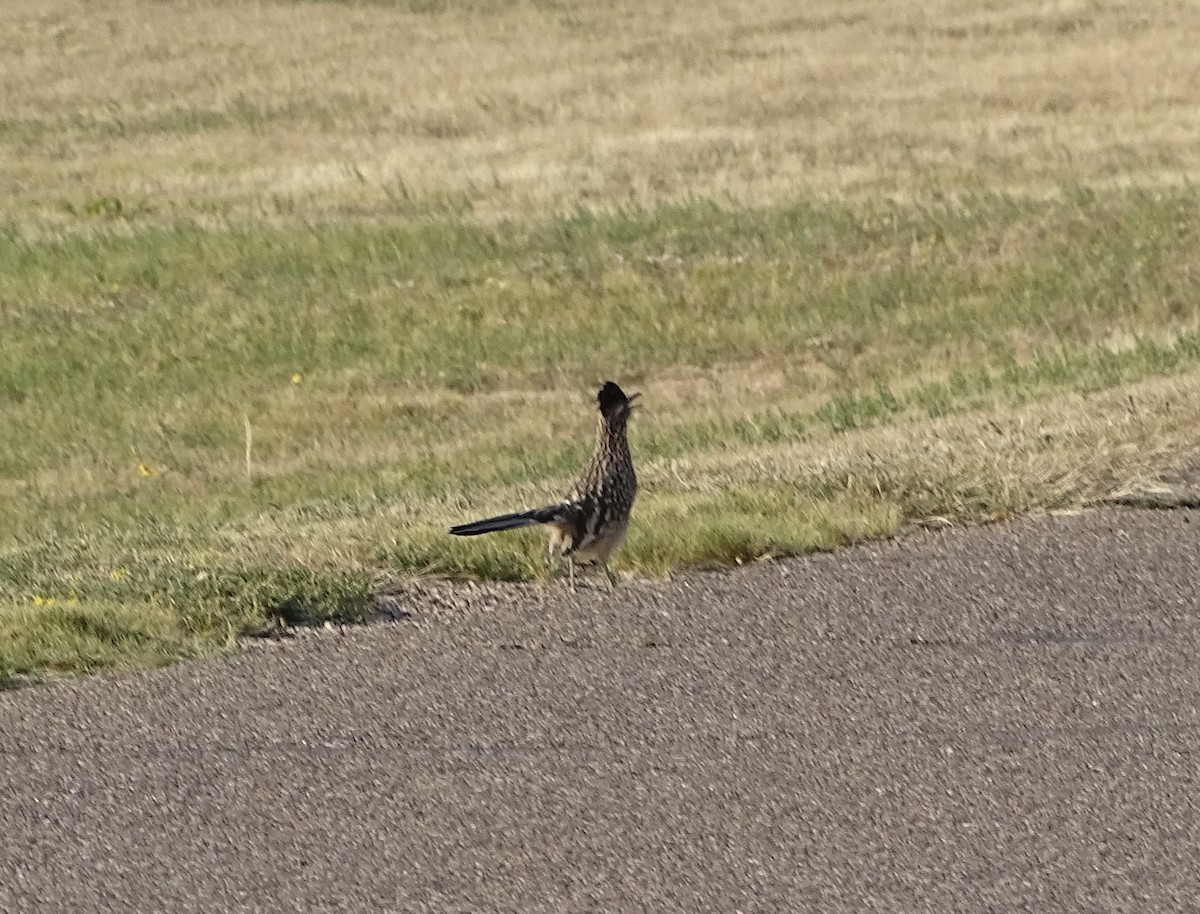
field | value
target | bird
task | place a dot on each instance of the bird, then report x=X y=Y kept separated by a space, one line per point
x=591 y=521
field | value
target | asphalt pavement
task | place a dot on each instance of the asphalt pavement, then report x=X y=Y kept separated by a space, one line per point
x=1000 y=719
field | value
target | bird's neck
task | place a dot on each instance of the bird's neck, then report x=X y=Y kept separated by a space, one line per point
x=610 y=436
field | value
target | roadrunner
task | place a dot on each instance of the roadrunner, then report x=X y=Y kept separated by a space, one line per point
x=590 y=523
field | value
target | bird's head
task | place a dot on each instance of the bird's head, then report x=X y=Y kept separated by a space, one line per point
x=613 y=403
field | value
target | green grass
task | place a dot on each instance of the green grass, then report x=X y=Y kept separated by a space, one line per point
x=400 y=374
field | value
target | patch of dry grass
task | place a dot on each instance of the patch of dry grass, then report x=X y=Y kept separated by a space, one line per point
x=1072 y=450
x=361 y=110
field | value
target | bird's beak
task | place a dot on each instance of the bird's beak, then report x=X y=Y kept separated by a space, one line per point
x=633 y=397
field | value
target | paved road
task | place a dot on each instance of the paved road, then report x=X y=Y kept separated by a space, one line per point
x=999 y=720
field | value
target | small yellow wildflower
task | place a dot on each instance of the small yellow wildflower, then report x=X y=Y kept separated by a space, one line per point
x=118 y=573
x=296 y=379
x=145 y=470
x=43 y=601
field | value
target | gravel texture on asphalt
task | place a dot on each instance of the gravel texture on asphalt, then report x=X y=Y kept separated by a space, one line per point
x=1000 y=719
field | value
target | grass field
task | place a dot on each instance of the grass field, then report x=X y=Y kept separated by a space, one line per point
x=286 y=288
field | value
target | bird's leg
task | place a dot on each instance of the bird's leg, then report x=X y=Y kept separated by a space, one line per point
x=612 y=578
x=571 y=571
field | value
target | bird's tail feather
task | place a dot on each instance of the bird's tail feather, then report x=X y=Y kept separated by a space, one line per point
x=507 y=522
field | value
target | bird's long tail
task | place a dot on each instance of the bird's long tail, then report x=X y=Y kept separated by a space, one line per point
x=508 y=521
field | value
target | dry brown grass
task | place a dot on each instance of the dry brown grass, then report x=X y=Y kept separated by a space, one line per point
x=513 y=108
x=1072 y=451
